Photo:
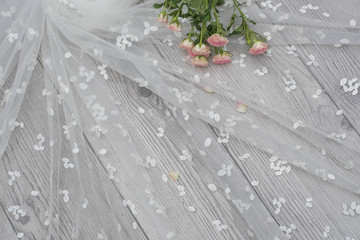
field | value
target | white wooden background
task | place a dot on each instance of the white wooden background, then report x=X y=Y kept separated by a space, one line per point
x=334 y=63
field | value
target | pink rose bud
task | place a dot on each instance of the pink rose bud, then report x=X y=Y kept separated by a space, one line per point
x=191 y=54
x=202 y=49
x=162 y=17
x=199 y=61
x=208 y=89
x=187 y=44
x=217 y=41
x=241 y=107
x=175 y=26
x=258 y=47
x=222 y=58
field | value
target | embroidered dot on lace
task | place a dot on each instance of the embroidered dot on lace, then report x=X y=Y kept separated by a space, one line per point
x=12 y=177
x=41 y=140
x=288 y=230
x=181 y=190
x=271 y=5
x=351 y=210
x=164 y=178
x=66 y=197
x=244 y=156
x=326 y=231
x=304 y=8
x=308 y=202
x=212 y=187
x=67 y=163
x=312 y=61
x=170 y=235
x=17 y=212
x=141 y=110
x=298 y=123
x=289 y=81
x=186 y=156
x=317 y=93
x=149 y=28
x=351 y=85
x=220 y=227
x=261 y=72
x=240 y=61
x=225 y=170
x=103 y=72
x=125 y=40
x=267 y=35
x=75 y=148
x=12 y=36
x=34 y=193
x=278 y=203
x=279 y=166
x=9 y=13
x=292 y=50
x=207 y=142
x=67 y=55
x=325 y=175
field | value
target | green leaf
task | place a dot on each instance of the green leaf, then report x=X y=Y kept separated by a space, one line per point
x=206 y=18
x=195 y=4
x=213 y=3
x=158 y=5
x=220 y=2
x=239 y=30
x=232 y=20
x=173 y=13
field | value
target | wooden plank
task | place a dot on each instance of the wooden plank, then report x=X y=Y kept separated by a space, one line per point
x=7 y=231
x=208 y=207
x=34 y=169
x=310 y=221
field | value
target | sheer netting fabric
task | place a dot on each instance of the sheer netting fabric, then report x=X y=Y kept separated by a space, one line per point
x=120 y=123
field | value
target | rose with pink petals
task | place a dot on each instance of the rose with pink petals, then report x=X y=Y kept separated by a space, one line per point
x=191 y=54
x=222 y=58
x=162 y=17
x=201 y=49
x=187 y=44
x=175 y=26
x=217 y=41
x=199 y=61
x=258 y=47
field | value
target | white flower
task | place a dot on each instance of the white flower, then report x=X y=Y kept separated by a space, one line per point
x=149 y=28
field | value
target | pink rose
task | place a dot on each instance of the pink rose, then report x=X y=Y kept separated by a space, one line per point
x=258 y=47
x=187 y=44
x=217 y=41
x=175 y=26
x=222 y=58
x=199 y=61
x=162 y=17
x=191 y=54
x=202 y=49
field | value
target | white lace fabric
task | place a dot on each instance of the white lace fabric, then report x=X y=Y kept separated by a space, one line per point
x=106 y=152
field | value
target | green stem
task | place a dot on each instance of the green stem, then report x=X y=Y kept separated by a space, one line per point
x=191 y=32
x=236 y=3
x=217 y=21
x=202 y=32
x=180 y=9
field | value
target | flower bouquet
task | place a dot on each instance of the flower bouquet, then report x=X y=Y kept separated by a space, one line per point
x=207 y=34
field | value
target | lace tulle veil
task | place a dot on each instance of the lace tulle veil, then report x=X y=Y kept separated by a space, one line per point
x=74 y=103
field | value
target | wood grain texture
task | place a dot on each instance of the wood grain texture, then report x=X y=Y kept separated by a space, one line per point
x=311 y=221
